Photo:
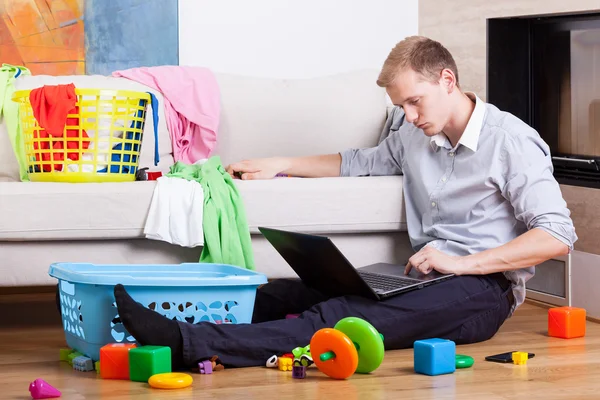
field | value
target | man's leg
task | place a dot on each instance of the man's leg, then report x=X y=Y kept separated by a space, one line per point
x=284 y=296
x=465 y=309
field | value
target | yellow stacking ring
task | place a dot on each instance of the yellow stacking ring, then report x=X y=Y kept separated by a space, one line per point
x=170 y=380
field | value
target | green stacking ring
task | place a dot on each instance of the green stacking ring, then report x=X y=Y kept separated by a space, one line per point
x=463 y=361
x=367 y=340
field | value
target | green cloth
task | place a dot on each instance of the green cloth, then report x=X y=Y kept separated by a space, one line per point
x=226 y=233
x=10 y=110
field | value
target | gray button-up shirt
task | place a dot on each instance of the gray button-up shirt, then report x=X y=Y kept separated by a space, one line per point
x=494 y=185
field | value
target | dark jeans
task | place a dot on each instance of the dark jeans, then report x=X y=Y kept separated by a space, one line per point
x=465 y=309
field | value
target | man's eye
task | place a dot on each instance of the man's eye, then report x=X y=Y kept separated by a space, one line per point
x=414 y=101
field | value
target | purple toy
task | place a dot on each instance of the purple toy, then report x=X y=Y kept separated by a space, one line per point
x=299 y=371
x=205 y=367
x=41 y=389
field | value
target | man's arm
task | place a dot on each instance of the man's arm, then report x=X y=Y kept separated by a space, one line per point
x=531 y=248
x=529 y=185
x=320 y=166
x=384 y=159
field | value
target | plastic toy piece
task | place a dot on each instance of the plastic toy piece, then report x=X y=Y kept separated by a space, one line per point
x=97 y=366
x=272 y=362
x=146 y=361
x=64 y=354
x=299 y=371
x=302 y=356
x=434 y=356
x=368 y=342
x=40 y=389
x=463 y=361
x=360 y=344
x=83 y=363
x=566 y=322
x=284 y=363
x=519 y=357
x=205 y=367
x=114 y=359
x=334 y=353
x=73 y=355
x=170 y=380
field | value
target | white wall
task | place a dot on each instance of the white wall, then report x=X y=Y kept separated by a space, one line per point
x=292 y=38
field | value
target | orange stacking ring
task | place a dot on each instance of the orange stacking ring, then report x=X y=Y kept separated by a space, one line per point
x=345 y=357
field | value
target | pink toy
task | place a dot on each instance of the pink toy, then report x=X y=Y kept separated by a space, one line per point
x=41 y=389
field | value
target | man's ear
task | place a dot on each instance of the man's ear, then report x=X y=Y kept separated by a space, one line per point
x=448 y=79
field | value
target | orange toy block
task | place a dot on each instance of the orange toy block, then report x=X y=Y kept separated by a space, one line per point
x=114 y=359
x=566 y=322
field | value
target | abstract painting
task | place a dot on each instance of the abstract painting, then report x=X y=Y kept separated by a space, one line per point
x=67 y=37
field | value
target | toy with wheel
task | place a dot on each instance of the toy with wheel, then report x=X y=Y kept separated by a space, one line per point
x=353 y=345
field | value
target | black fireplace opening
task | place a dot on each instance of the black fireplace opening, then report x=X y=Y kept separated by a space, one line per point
x=546 y=71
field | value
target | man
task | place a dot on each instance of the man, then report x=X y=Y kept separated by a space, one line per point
x=481 y=202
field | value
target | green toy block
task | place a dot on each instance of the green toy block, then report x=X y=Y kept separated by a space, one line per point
x=73 y=356
x=97 y=366
x=145 y=361
x=64 y=354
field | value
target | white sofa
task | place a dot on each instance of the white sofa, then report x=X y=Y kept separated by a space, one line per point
x=41 y=223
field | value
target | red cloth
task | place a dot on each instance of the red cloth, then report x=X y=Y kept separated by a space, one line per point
x=51 y=105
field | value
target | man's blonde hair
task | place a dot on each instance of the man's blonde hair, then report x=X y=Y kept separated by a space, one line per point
x=423 y=55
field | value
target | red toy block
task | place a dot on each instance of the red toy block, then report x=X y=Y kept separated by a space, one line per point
x=114 y=359
x=566 y=322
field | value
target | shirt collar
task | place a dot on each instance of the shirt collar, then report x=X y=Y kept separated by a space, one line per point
x=470 y=137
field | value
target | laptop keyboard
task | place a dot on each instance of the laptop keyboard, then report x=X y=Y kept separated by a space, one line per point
x=386 y=283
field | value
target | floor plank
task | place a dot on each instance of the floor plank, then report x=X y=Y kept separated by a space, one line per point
x=561 y=369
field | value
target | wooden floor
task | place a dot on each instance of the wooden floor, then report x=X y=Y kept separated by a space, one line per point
x=561 y=369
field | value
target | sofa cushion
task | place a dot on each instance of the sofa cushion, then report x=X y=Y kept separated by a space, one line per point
x=50 y=211
x=264 y=117
x=8 y=164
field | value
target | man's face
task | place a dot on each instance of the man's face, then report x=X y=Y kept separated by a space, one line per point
x=426 y=104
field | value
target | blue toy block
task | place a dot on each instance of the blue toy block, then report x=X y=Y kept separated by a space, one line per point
x=435 y=356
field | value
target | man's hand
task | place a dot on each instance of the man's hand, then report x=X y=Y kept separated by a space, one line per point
x=260 y=168
x=428 y=258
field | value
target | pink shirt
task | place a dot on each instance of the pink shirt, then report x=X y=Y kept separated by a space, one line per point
x=192 y=106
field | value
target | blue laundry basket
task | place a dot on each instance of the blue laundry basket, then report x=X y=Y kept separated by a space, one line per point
x=192 y=292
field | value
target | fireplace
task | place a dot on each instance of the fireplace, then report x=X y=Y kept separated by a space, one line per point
x=546 y=71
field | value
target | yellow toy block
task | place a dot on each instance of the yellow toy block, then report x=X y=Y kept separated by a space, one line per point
x=520 y=357
x=284 y=363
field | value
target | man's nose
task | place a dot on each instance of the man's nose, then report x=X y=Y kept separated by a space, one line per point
x=411 y=114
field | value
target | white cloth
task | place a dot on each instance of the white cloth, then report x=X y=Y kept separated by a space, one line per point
x=176 y=211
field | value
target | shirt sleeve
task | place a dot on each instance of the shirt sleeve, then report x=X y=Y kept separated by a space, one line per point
x=529 y=185
x=384 y=159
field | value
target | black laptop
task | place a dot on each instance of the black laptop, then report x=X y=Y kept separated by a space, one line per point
x=321 y=265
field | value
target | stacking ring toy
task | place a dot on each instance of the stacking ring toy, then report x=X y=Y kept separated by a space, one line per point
x=353 y=345
x=170 y=380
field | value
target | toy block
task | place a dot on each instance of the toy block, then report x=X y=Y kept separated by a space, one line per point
x=434 y=356
x=83 y=363
x=114 y=359
x=566 y=322
x=64 y=354
x=97 y=366
x=299 y=371
x=73 y=356
x=205 y=367
x=284 y=363
x=519 y=357
x=146 y=361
